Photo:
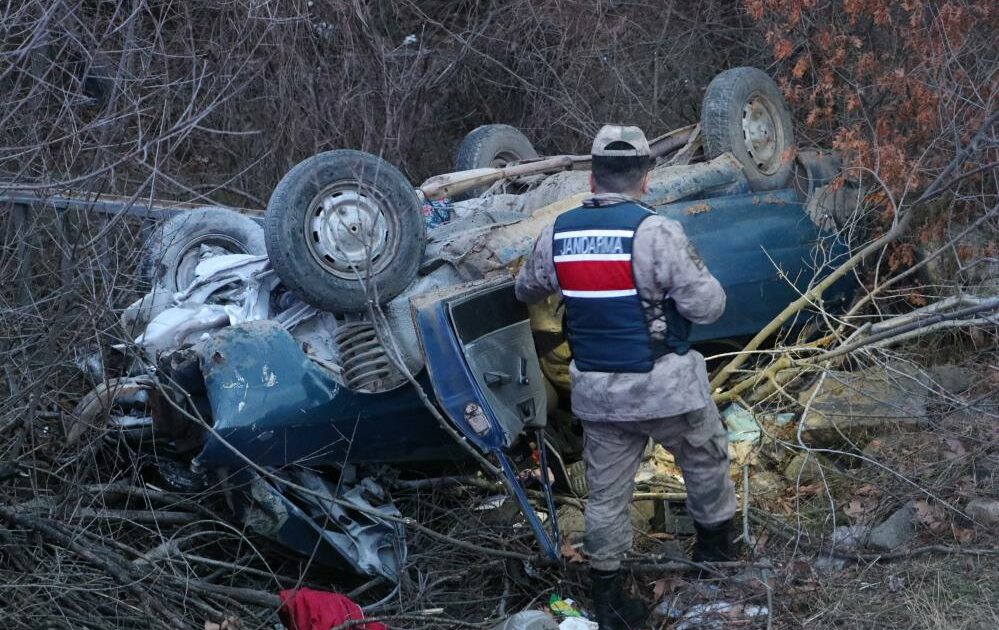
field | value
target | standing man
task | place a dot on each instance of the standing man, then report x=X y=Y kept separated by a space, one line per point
x=631 y=285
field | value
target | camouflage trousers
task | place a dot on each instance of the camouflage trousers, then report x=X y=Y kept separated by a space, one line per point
x=613 y=451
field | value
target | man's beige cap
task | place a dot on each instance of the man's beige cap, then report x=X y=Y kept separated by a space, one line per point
x=631 y=136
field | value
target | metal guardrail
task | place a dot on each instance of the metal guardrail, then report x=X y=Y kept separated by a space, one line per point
x=155 y=209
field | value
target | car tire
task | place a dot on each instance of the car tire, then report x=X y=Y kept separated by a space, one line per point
x=744 y=114
x=323 y=261
x=172 y=251
x=491 y=146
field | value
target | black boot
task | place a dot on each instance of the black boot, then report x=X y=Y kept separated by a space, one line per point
x=614 y=611
x=713 y=543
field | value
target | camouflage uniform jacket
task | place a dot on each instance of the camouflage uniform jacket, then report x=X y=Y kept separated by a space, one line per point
x=663 y=260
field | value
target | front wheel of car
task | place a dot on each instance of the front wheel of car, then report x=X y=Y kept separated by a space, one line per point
x=744 y=114
x=345 y=229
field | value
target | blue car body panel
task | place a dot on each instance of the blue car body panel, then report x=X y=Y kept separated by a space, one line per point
x=762 y=248
x=276 y=406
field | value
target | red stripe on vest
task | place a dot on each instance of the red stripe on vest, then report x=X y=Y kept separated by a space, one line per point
x=595 y=275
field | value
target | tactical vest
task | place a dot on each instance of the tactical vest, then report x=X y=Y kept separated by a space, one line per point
x=606 y=321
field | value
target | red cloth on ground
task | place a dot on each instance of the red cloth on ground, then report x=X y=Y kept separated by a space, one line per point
x=309 y=609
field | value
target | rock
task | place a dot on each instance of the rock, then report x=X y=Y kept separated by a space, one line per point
x=952 y=378
x=740 y=453
x=827 y=563
x=984 y=511
x=765 y=484
x=646 y=473
x=897 y=530
x=805 y=467
x=667 y=473
x=849 y=536
x=856 y=406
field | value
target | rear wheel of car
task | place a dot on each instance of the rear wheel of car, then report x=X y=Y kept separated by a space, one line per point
x=343 y=229
x=744 y=114
x=492 y=146
x=177 y=245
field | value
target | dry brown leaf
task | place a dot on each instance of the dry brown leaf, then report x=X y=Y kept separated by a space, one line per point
x=964 y=535
x=812 y=489
x=930 y=516
x=855 y=510
x=799 y=569
x=662 y=586
x=570 y=553
x=862 y=506
x=662 y=536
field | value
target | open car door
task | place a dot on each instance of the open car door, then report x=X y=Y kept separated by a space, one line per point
x=485 y=373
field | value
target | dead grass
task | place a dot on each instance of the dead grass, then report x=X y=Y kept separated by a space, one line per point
x=952 y=593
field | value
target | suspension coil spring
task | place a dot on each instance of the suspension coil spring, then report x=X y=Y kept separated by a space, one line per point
x=365 y=363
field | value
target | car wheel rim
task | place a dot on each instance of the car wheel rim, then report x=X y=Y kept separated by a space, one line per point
x=762 y=133
x=207 y=246
x=348 y=230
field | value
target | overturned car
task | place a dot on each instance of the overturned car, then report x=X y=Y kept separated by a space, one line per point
x=369 y=324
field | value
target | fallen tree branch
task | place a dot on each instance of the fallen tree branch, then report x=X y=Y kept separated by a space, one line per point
x=928 y=321
x=159 y=517
x=148 y=494
x=244 y=595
